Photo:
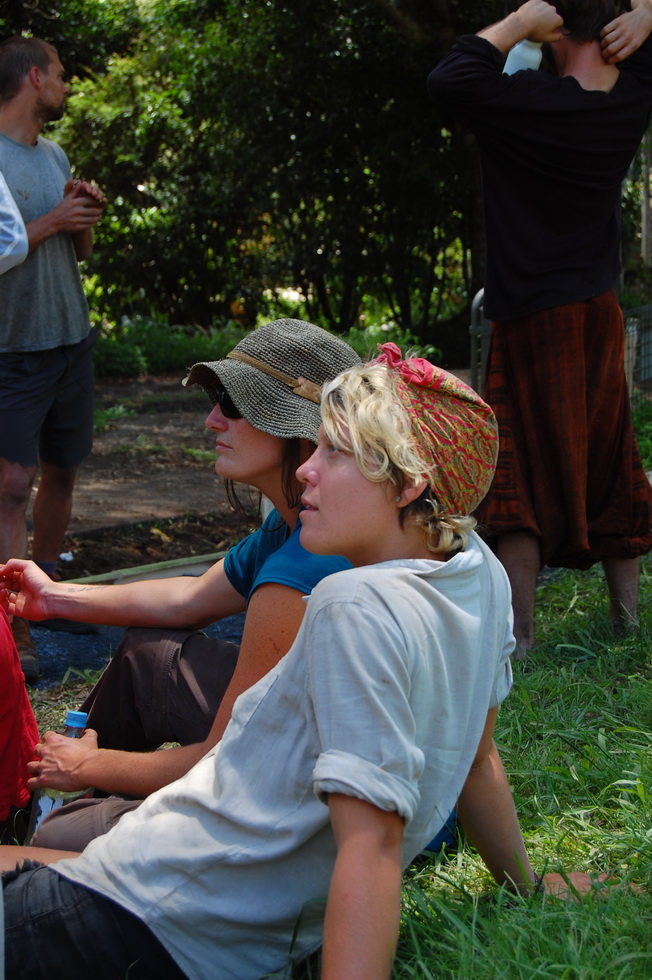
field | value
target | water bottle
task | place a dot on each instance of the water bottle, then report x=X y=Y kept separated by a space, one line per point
x=45 y=800
x=525 y=54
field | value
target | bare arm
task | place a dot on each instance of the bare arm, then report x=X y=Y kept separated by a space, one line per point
x=486 y=811
x=82 y=240
x=273 y=619
x=536 y=20
x=624 y=35
x=11 y=855
x=181 y=602
x=363 y=910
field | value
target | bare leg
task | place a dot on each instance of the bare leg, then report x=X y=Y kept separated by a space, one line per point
x=15 y=488
x=52 y=509
x=622 y=575
x=520 y=554
x=11 y=855
x=16 y=483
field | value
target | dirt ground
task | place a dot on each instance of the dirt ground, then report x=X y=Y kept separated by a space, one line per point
x=148 y=492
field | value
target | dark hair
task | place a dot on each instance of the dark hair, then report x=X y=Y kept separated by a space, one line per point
x=584 y=19
x=290 y=486
x=17 y=56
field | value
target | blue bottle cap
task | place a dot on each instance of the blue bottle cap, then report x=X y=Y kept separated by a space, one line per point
x=76 y=719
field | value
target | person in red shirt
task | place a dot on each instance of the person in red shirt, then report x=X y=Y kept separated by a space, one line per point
x=18 y=736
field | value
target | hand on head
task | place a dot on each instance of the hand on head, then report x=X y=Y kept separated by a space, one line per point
x=624 y=35
x=541 y=22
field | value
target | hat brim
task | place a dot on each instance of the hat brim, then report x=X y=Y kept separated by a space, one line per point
x=260 y=399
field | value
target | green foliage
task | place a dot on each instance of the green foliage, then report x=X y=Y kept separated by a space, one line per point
x=250 y=147
x=84 y=33
x=104 y=417
x=150 y=345
x=642 y=419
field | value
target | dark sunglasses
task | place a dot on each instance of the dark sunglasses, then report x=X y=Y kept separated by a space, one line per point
x=223 y=399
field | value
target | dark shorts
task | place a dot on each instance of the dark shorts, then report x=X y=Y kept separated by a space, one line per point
x=46 y=405
x=56 y=928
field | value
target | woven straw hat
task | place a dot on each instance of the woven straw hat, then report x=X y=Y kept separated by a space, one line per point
x=274 y=376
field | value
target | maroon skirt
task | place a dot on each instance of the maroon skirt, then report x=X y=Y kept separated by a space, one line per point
x=569 y=469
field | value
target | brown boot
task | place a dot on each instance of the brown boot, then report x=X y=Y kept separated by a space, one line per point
x=26 y=650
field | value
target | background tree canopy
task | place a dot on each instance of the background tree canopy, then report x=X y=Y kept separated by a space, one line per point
x=250 y=148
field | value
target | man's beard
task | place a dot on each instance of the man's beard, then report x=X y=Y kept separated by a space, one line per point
x=51 y=113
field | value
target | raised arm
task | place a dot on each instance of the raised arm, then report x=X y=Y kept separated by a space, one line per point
x=536 y=20
x=364 y=898
x=273 y=619
x=624 y=35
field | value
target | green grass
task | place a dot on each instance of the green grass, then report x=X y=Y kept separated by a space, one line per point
x=103 y=418
x=642 y=418
x=576 y=738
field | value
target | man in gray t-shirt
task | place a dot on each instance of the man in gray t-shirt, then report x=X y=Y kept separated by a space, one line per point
x=46 y=380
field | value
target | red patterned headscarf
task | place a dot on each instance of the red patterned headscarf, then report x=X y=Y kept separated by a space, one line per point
x=455 y=430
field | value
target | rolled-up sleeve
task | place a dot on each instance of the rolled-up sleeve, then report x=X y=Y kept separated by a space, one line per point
x=359 y=686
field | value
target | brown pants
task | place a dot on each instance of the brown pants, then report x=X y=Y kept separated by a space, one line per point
x=160 y=686
x=569 y=470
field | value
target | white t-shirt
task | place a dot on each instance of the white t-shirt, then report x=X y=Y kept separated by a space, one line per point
x=383 y=696
x=13 y=237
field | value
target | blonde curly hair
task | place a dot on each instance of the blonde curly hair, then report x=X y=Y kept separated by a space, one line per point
x=362 y=415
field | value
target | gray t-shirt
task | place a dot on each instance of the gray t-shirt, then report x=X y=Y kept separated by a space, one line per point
x=42 y=302
x=383 y=696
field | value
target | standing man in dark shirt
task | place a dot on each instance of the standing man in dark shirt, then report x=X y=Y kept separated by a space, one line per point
x=569 y=489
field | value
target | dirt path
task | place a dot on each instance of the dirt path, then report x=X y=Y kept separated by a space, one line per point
x=155 y=462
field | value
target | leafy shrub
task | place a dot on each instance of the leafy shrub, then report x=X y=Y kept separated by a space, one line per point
x=151 y=345
x=365 y=340
x=144 y=345
x=642 y=418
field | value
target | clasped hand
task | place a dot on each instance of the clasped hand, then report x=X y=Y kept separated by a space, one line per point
x=82 y=206
x=60 y=760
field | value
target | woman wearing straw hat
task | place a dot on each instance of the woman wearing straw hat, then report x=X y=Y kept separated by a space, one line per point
x=167 y=680
x=344 y=760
